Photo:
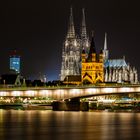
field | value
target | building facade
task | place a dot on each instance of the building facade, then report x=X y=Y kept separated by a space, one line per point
x=79 y=58
x=72 y=48
x=118 y=70
x=15 y=62
x=92 y=67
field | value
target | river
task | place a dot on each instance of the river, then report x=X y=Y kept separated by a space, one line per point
x=51 y=125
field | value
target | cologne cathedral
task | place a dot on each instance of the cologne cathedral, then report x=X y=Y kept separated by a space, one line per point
x=82 y=64
x=72 y=48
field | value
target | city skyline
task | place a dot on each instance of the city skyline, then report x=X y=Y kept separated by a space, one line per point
x=37 y=31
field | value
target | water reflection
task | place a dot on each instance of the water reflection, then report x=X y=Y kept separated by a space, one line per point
x=43 y=125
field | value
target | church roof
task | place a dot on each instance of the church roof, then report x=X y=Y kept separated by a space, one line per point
x=92 y=46
x=115 y=63
x=83 y=51
x=92 y=49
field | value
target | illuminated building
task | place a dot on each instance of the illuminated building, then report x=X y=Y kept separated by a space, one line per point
x=71 y=54
x=118 y=70
x=79 y=59
x=92 y=68
x=15 y=62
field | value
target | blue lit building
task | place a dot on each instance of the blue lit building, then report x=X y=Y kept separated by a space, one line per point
x=15 y=62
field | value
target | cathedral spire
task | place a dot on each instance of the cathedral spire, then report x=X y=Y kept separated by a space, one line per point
x=105 y=50
x=71 y=30
x=105 y=42
x=92 y=50
x=83 y=28
x=92 y=45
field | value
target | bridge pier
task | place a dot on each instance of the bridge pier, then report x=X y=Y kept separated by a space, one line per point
x=70 y=105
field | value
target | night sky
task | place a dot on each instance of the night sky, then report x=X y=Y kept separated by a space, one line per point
x=37 y=29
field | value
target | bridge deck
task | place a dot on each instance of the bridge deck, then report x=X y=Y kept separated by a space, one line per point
x=59 y=93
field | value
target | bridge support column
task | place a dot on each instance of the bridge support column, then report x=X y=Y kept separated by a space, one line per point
x=70 y=105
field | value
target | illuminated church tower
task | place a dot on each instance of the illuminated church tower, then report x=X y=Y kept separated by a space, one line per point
x=71 y=52
x=85 y=42
x=92 y=66
x=105 y=50
x=72 y=49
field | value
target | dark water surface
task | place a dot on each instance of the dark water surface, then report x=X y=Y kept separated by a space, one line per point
x=49 y=125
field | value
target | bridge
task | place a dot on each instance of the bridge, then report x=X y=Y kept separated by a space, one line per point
x=69 y=92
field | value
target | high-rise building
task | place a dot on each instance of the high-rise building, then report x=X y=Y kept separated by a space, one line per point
x=15 y=62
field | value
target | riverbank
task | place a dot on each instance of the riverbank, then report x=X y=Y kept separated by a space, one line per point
x=25 y=106
x=49 y=107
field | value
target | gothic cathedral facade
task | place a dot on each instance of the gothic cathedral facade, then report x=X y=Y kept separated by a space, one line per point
x=72 y=48
x=80 y=59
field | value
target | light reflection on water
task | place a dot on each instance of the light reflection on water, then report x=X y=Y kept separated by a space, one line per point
x=49 y=125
